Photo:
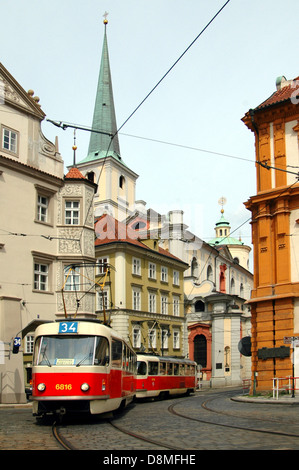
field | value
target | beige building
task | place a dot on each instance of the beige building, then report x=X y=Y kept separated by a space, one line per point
x=140 y=289
x=46 y=234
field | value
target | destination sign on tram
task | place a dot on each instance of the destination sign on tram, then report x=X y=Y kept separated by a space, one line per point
x=68 y=327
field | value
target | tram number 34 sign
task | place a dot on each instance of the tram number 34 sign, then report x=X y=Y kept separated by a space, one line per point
x=68 y=327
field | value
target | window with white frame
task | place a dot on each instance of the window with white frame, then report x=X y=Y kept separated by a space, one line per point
x=136 y=336
x=165 y=339
x=152 y=302
x=176 y=278
x=164 y=274
x=71 y=278
x=136 y=298
x=152 y=270
x=44 y=205
x=41 y=277
x=72 y=212
x=176 y=339
x=176 y=306
x=10 y=140
x=29 y=341
x=102 y=265
x=152 y=338
x=102 y=300
x=164 y=304
x=136 y=268
x=42 y=208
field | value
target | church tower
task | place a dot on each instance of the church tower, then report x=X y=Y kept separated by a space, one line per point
x=104 y=164
x=237 y=249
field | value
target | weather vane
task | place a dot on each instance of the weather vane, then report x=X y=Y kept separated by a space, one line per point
x=105 y=16
x=221 y=202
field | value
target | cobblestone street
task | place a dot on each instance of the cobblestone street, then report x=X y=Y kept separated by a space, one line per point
x=205 y=421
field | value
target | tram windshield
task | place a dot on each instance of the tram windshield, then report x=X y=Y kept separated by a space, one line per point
x=71 y=351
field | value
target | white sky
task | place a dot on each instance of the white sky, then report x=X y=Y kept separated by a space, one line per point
x=54 y=47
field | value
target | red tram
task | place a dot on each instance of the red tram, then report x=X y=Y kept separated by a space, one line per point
x=81 y=366
x=162 y=376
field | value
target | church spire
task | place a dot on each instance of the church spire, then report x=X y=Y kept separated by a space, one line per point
x=104 y=118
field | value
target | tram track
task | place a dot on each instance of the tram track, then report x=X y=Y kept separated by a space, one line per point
x=123 y=430
x=205 y=406
x=67 y=445
x=145 y=439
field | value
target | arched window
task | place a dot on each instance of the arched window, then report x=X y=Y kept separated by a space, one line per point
x=241 y=290
x=210 y=273
x=199 y=306
x=121 y=181
x=223 y=268
x=232 y=286
x=200 y=350
x=194 y=268
x=90 y=176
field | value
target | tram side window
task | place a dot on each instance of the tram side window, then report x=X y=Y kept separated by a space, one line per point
x=162 y=368
x=116 y=353
x=153 y=368
x=101 y=357
x=141 y=368
x=182 y=369
x=192 y=370
x=125 y=357
x=175 y=369
x=132 y=362
x=169 y=368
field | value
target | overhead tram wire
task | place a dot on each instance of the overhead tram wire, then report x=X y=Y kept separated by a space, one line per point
x=64 y=126
x=172 y=67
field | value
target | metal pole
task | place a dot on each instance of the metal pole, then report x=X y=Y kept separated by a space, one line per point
x=293 y=345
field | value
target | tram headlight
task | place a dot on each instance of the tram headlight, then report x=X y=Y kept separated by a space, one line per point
x=84 y=387
x=41 y=387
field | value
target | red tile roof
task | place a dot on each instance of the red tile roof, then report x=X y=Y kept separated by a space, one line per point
x=75 y=174
x=284 y=94
x=109 y=230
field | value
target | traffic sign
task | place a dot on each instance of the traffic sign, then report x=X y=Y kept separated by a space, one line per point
x=16 y=345
x=294 y=340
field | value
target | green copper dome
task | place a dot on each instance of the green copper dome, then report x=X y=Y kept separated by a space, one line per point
x=223 y=237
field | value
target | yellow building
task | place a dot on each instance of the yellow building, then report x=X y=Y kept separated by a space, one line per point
x=275 y=229
x=140 y=289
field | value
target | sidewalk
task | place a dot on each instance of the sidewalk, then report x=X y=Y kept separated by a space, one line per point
x=282 y=400
x=16 y=405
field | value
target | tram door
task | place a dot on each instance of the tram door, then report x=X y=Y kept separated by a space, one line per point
x=200 y=350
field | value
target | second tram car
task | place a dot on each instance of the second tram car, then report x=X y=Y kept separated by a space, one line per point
x=81 y=366
x=161 y=376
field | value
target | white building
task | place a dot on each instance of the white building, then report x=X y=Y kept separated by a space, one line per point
x=46 y=233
